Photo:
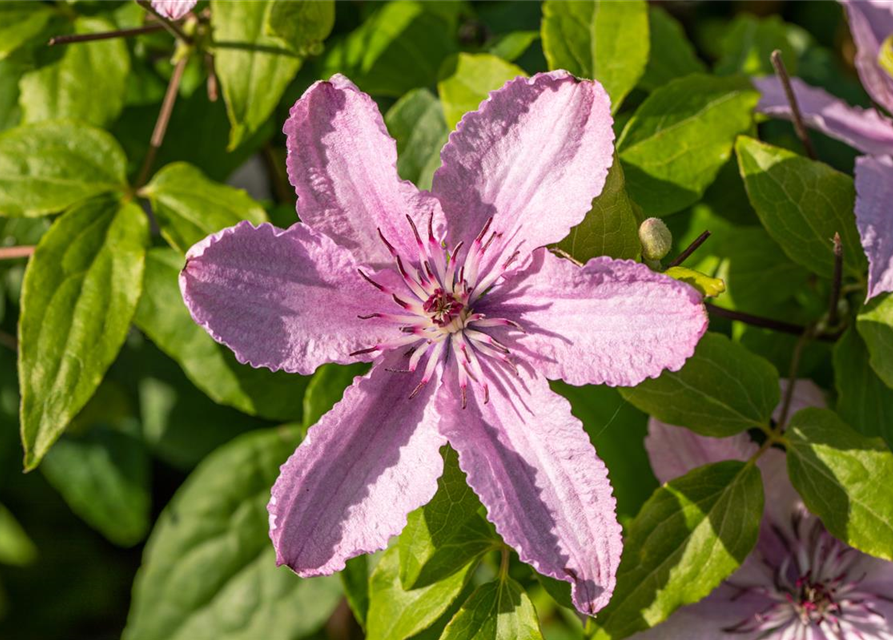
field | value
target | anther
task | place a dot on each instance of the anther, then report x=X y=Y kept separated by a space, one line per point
x=386 y=243
x=362 y=351
x=483 y=232
x=371 y=281
x=370 y=316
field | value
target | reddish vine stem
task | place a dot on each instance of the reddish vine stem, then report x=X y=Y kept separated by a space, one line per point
x=175 y=30
x=782 y=73
x=766 y=323
x=836 y=282
x=164 y=116
x=106 y=35
x=690 y=249
x=23 y=251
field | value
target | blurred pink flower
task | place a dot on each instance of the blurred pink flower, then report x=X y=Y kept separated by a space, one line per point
x=871 y=22
x=173 y=9
x=799 y=583
x=464 y=314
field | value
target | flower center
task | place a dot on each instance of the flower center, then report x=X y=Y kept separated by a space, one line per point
x=817 y=584
x=444 y=309
x=436 y=318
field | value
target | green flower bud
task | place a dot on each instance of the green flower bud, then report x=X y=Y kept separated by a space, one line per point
x=656 y=239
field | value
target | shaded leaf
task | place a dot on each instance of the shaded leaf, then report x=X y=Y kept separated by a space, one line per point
x=875 y=325
x=863 y=400
x=802 y=204
x=302 y=24
x=721 y=390
x=20 y=22
x=690 y=535
x=611 y=228
x=355 y=582
x=80 y=292
x=209 y=570
x=326 y=388
x=672 y=55
x=446 y=534
x=16 y=547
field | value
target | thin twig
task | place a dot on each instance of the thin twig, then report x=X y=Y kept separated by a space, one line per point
x=799 y=127
x=213 y=91
x=792 y=378
x=689 y=250
x=22 y=251
x=767 y=323
x=164 y=117
x=105 y=35
x=278 y=179
x=171 y=26
x=834 y=301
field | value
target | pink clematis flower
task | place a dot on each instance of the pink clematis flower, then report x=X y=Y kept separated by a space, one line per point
x=799 y=583
x=464 y=314
x=173 y=9
x=871 y=22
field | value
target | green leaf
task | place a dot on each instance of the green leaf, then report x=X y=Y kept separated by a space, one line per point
x=87 y=83
x=604 y=40
x=326 y=387
x=210 y=366
x=611 y=227
x=468 y=78
x=11 y=73
x=20 y=22
x=209 y=570
x=399 y=47
x=355 y=582
x=179 y=423
x=498 y=610
x=103 y=475
x=679 y=138
x=446 y=534
x=301 y=24
x=254 y=69
x=188 y=206
x=80 y=292
x=512 y=46
x=690 y=535
x=749 y=43
x=875 y=325
x=16 y=547
x=707 y=286
x=417 y=123
x=397 y=614
x=802 y=204
x=840 y=476
x=863 y=400
x=721 y=390
x=672 y=55
x=617 y=430
x=47 y=167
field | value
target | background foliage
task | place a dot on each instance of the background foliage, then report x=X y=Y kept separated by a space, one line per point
x=151 y=451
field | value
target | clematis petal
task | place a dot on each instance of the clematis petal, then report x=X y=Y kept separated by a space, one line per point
x=874 y=217
x=536 y=472
x=343 y=165
x=534 y=155
x=862 y=129
x=173 y=9
x=612 y=322
x=281 y=299
x=350 y=485
x=871 y=22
